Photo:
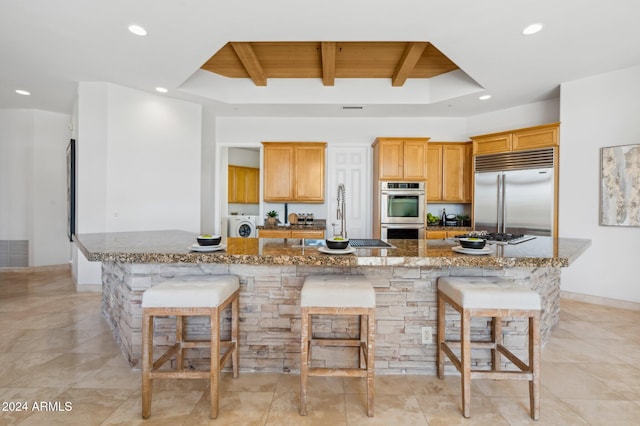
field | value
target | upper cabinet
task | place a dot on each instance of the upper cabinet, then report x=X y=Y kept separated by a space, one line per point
x=545 y=136
x=294 y=171
x=244 y=184
x=449 y=168
x=400 y=158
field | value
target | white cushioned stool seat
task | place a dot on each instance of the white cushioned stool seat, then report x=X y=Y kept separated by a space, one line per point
x=194 y=291
x=338 y=291
x=488 y=293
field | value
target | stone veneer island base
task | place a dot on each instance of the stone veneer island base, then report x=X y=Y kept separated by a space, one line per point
x=271 y=276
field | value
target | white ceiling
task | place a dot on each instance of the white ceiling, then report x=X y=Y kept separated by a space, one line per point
x=47 y=47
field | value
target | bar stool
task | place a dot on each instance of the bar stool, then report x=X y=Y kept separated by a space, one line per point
x=182 y=297
x=496 y=298
x=338 y=295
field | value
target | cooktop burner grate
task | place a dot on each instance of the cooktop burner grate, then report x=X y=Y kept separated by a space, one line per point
x=368 y=243
x=498 y=237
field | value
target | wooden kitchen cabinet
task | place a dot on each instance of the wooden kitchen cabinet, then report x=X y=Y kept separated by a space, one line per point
x=290 y=233
x=534 y=138
x=400 y=159
x=545 y=136
x=449 y=168
x=294 y=171
x=243 y=185
x=441 y=235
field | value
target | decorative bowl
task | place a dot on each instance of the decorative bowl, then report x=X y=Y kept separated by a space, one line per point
x=209 y=240
x=337 y=243
x=472 y=243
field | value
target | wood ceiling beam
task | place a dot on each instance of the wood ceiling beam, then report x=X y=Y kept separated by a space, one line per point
x=250 y=61
x=328 y=49
x=410 y=58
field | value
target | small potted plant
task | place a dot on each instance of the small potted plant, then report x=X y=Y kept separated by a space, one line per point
x=464 y=220
x=272 y=217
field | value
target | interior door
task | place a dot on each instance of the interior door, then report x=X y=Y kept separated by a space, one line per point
x=351 y=167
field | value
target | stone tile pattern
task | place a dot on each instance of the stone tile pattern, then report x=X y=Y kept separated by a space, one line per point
x=270 y=313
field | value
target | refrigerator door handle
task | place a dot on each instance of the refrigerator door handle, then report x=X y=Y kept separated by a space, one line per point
x=503 y=204
x=500 y=206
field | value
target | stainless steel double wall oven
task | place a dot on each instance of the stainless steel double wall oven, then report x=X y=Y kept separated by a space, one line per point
x=402 y=206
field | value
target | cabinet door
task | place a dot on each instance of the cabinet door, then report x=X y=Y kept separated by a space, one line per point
x=434 y=172
x=390 y=160
x=436 y=235
x=535 y=138
x=309 y=173
x=278 y=172
x=231 y=185
x=453 y=165
x=252 y=182
x=492 y=144
x=415 y=160
x=468 y=173
x=307 y=234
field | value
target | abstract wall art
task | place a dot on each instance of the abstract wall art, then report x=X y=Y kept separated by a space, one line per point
x=620 y=185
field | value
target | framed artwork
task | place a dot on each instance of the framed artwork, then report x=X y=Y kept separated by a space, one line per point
x=620 y=185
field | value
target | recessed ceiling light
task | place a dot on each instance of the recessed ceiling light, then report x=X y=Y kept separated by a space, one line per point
x=484 y=97
x=23 y=92
x=137 y=30
x=532 y=29
x=161 y=90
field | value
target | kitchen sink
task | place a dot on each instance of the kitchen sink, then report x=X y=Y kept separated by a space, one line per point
x=369 y=243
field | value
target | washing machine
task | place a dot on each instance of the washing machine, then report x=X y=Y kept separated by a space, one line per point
x=242 y=226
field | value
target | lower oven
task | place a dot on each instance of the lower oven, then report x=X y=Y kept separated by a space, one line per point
x=405 y=231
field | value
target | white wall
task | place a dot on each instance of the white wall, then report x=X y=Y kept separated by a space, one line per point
x=533 y=114
x=139 y=163
x=33 y=183
x=597 y=112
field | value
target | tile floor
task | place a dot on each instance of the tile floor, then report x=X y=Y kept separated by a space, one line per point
x=56 y=349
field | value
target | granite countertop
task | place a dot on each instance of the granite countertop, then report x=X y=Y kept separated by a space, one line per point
x=173 y=247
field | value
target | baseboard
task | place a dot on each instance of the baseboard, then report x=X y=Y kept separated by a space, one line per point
x=599 y=300
x=45 y=268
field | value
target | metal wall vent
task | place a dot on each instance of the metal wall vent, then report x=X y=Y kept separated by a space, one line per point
x=521 y=160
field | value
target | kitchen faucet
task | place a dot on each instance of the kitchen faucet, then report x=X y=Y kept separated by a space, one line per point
x=341 y=213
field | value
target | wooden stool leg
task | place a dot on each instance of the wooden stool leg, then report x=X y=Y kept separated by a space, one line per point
x=215 y=362
x=441 y=336
x=371 y=360
x=496 y=338
x=534 y=365
x=235 y=361
x=147 y=354
x=304 y=359
x=180 y=338
x=465 y=354
x=364 y=329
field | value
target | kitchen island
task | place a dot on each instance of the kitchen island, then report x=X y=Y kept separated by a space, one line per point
x=272 y=272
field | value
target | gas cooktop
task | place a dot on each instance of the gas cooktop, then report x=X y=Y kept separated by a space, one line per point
x=498 y=237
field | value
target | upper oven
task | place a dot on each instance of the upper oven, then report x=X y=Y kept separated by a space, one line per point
x=402 y=202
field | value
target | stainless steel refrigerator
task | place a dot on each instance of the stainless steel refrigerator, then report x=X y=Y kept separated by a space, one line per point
x=515 y=193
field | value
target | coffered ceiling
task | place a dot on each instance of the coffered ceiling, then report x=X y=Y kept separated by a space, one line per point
x=48 y=47
x=328 y=60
